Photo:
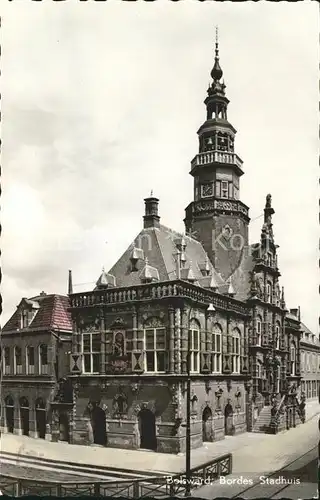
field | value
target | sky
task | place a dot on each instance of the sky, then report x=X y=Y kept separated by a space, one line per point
x=101 y=103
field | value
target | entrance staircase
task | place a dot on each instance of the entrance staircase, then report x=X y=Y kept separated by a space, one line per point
x=262 y=424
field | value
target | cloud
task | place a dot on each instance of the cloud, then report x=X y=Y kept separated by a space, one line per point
x=101 y=104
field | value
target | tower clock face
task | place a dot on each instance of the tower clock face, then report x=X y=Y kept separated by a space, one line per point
x=207 y=190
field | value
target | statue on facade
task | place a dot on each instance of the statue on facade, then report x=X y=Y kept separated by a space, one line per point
x=118 y=345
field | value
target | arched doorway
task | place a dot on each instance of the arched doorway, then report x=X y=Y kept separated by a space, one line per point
x=207 y=433
x=9 y=405
x=228 y=420
x=40 y=418
x=24 y=416
x=63 y=427
x=147 y=427
x=99 y=428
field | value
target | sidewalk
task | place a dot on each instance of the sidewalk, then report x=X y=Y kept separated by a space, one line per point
x=257 y=458
x=312 y=408
x=274 y=451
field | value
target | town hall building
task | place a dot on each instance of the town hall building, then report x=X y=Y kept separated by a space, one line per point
x=205 y=305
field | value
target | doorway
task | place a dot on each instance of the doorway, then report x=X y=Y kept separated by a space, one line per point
x=207 y=432
x=24 y=416
x=228 y=420
x=98 y=419
x=147 y=427
x=41 y=418
x=9 y=405
x=63 y=427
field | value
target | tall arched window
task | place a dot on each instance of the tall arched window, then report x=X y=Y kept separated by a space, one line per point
x=7 y=360
x=30 y=360
x=278 y=379
x=236 y=350
x=258 y=330
x=277 y=335
x=155 y=346
x=269 y=291
x=17 y=360
x=293 y=358
x=216 y=348
x=43 y=359
x=194 y=344
x=302 y=361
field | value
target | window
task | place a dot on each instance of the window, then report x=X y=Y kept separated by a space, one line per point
x=155 y=346
x=194 y=334
x=224 y=189
x=293 y=358
x=236 y=351
x=43 y=359
x=259 y=369
x=269 y=292
x=277 y=336
x=278 y=379
x=302 y=361
x=259 y=330
x=91 y=346
x=216 y=349
x=30 y=360
x=17 y=367
x=6 y=360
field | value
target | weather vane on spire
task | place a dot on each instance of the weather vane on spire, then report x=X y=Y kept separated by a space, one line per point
x=217 y=41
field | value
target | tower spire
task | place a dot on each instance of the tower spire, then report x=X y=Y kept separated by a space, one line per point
x=216 y=72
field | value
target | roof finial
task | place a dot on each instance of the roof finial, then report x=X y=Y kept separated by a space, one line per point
x=217 y=41
x=216 y=72
x=151 y=194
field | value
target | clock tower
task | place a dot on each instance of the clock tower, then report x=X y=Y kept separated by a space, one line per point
x=217 y=217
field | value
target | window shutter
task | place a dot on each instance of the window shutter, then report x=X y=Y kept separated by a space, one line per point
x=205 y=360
x=227 y=357
x=137 y=361
x=76 y=363
x=243 y=358
x=265 y=334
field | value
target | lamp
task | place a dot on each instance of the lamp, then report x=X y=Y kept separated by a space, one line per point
x=211 y=309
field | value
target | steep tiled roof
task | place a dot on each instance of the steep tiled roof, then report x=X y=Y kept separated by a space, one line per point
x=51 y=313
x=160 y=245
x=241 y=278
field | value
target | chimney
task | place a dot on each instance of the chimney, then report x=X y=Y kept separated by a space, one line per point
x=70 y=289
x=151 y=217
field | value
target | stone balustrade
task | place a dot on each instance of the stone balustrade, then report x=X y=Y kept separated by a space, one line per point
x=157 y=291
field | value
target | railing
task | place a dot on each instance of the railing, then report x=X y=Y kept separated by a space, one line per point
x=155 y=291
x=149 y=487
x=216 y=156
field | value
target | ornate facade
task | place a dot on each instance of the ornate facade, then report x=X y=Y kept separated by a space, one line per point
x=205 y=304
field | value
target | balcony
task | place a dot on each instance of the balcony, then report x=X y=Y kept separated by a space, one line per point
x=210 y=157
x=155 y=291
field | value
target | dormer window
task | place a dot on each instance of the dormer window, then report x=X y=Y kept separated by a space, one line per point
x=26 y=317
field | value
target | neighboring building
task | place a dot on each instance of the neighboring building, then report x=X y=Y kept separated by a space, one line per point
x=35 y=352
x=310 y=363
x=207 y=299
